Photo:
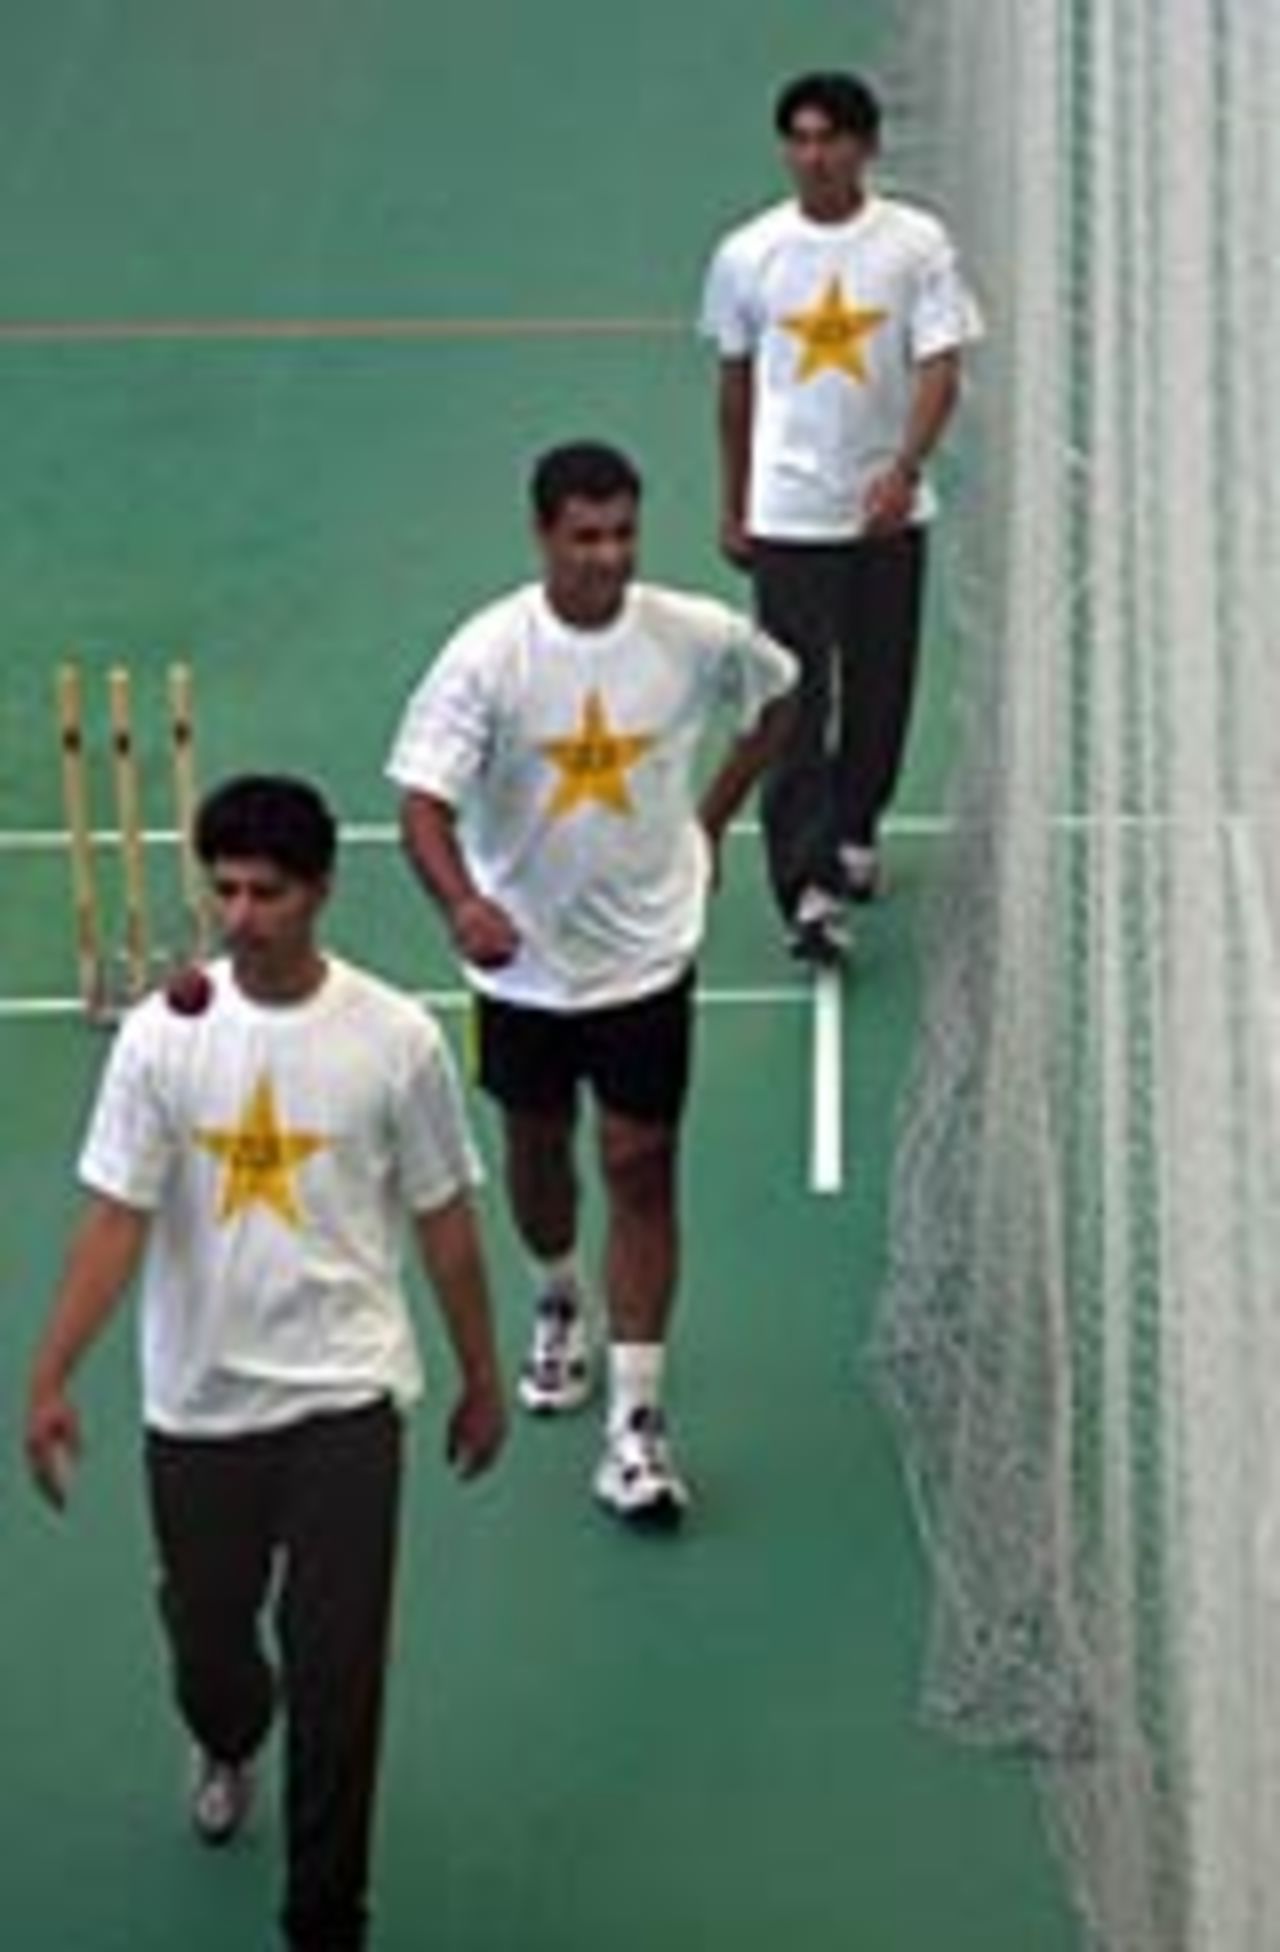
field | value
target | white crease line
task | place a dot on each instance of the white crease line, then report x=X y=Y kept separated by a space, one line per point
x=371 y=833
x=356 y=833
x=18 y=1009
x=826 y=1133
x=21 y=1008
x=383 y=833
x=380 y=833
x=749 y=998
x=46 y=840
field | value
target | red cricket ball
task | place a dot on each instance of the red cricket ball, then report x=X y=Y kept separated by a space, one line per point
x=188 y=992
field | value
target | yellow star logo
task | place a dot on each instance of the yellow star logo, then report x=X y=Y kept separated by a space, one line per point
x=260 y=1158
x=593 y=762
x=833 y=334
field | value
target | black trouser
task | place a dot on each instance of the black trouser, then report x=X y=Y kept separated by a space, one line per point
x=851 y=613
x=316 y=1504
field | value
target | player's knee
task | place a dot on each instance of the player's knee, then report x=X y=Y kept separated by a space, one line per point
x=638 y=1165
x=539 y=1146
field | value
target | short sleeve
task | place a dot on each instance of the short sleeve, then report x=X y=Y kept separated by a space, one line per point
x=130 y=1143
x=435 y=1152
x=754 y=669
x=728 y=315
x=944 y=314
x=443 y=739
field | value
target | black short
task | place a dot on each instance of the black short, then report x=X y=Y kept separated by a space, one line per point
x=635 y=1056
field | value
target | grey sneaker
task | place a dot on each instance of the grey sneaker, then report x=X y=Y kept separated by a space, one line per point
x=556 y=1373
x=862 y=872
x=636 y=1478
x=221 y=1796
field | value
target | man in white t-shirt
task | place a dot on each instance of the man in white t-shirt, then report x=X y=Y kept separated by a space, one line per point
x=264 y=1135
x=839 y=317
x=546 y=761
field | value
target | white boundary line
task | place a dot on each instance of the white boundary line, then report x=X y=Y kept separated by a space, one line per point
x=321 y=331
x=380 y=833
x=826 y=1128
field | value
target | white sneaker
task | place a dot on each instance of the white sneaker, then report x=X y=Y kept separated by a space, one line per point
x=221 y=1796
x=636 y=1478
x=817 y=934
x=556 y=1373
x=860 y=866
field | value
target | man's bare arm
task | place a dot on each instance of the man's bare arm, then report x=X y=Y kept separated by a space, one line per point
x=483 y=933
x=453 y=1260
x=890 y=497
x=734 y=421
x=741 y=767
x=101 y=1261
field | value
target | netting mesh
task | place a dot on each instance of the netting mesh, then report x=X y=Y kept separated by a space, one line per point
x=1080 y=1336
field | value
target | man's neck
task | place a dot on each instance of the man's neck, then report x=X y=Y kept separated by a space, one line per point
x=838 y=208
x=580 y=616
x=294 y=982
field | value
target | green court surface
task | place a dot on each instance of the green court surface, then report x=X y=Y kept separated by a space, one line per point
x=292 y=296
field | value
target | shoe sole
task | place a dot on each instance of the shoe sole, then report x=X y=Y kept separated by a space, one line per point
x=538 y=1404
x=664 y=1514
x=217 y=1838
x=809 y=956
x=217 y=1835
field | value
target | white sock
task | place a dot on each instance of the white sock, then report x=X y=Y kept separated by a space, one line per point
x=635 y=1379
x=561 y=1275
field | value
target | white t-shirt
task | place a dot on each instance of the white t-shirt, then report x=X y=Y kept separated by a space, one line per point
x=835 y=318
x=280 y=1151
x=569 y=754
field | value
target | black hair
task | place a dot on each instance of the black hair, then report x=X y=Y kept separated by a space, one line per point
x=848 y=102
x=268 y=817
x=588 y=471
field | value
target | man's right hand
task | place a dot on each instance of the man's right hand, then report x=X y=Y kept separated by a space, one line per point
x=735 y=542
x=484 y=933
x=52 y=1443
x=477 y=1429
